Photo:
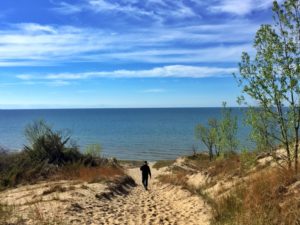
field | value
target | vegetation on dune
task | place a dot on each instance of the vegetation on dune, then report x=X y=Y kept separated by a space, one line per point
x=163 y=163
x=272 y=80
x=93 y=150
x=266 y=195
x=219 y=136
x=263 y=199
x=52 y=155
x=49 y=145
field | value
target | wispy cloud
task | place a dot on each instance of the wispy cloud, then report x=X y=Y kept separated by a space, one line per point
x=35 y=44
x=66 y=8
x=174 y=71
x=238 y=7
x=163 y=9
x=157 y=10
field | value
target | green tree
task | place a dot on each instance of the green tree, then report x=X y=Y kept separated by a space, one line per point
x=272 y=79
x=262 y=127
x=208 y=137
x=219 y=136
x=228 y=130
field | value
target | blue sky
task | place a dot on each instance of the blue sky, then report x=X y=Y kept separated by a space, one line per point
x=125 y=53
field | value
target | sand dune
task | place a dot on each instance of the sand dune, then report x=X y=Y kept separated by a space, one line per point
x=97 y=204
x=162 y=204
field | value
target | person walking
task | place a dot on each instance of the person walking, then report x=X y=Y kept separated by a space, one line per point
x=145 y=172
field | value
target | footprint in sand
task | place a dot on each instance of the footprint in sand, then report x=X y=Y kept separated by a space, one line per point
x=157 y=206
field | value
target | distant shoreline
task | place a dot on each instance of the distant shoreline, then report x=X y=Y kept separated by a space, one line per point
x=133 y=108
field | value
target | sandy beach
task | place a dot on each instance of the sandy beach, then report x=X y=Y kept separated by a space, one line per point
x=73 y=202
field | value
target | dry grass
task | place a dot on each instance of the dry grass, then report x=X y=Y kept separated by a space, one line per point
x=225 y=166
x=39 y=217
x=55 y=188
x=229 y=165
x=88 y=174
x=131 y=163
x=8 y=215
x=178 y=179
x=163 y=163
x=263 y=200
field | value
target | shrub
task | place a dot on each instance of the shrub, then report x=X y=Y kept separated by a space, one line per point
x=93 y=150
x=49 y=155
x=48 y=145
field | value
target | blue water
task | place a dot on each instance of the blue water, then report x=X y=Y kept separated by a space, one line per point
x=140 y=134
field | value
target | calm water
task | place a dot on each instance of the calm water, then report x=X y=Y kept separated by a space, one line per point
x=146 y=134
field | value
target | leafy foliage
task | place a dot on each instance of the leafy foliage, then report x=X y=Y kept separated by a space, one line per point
x=272 y=80
x=219 y=136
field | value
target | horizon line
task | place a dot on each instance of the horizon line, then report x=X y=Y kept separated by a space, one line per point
x=167 y=107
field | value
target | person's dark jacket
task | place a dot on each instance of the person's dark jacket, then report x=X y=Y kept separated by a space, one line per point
x=145 y=171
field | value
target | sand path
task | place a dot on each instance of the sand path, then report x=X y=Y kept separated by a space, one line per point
x=80 y=204
x=162 y=204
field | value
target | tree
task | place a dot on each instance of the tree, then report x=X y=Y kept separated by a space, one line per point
x=262 y=126
x=219 y=136
x=272 y=77
x=228 y=130
x=208 y=136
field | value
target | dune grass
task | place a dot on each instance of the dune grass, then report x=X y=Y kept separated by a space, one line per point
x=163 y=163
x=263 y=199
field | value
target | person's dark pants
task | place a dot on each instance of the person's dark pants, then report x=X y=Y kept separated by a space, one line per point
x=145 y=181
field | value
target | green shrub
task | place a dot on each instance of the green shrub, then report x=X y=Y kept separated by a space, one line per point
x=49 y=145
x=93 y=150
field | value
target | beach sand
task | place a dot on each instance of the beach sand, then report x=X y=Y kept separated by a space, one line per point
x=79 y=203
x=161 y=204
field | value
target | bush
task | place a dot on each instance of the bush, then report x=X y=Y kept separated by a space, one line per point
x=93 y=150
x=49 y=152
x=48 y=145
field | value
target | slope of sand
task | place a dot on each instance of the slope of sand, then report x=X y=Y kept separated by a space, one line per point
x=83 y=203
x=162 y=204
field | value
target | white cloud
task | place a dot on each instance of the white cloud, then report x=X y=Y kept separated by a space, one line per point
x=239 y=7
x=212 y=54
x=157 y=10
x=25 y=77
x=35 y=44
x=35 y=28
x=173 y=71
x=161 y=10
x=66 y=8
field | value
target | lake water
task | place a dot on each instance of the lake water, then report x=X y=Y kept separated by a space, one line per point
x=140 y=134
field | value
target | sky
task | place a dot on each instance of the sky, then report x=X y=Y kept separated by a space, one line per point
x=124 y=53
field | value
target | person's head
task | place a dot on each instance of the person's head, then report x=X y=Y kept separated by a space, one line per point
x=145 y=162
